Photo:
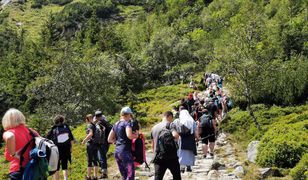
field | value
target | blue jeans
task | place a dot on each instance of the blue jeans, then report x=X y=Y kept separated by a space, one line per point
x=102 y=155
x=16 y=175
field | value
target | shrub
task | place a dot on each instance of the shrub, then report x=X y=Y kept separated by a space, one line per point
x=300 y=171
x=60 y=2
x=39 y=3
x=283 y=144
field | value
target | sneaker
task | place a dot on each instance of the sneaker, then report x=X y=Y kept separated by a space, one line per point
x=103 y=176
x=188 y=169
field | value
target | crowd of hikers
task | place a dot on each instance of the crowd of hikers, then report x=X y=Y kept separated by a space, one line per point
x=174 y=140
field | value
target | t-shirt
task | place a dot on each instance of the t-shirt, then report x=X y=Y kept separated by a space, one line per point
x=156 y=130
x=22 y=137
x=90 y=126
x=123 y=143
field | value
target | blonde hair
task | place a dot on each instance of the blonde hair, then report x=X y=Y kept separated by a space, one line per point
x=13 y=118
x=88 y=117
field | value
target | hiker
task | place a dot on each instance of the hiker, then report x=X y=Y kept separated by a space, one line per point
x=166 y=161
x=122 y=135
x=190 y=102
x=16 y=136
x=92 y=149
x=187 y=129
x=103 y=147
x=63 y=138
x=207 y=131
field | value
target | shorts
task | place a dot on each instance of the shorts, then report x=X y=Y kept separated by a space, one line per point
x=92 y=154
x=208 y=138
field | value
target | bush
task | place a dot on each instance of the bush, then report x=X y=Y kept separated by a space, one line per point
x=60 y=2
x=300 y=171
x=39 y=3
x=283 y=144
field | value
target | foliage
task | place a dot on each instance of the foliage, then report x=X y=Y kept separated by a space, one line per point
x=153 y=103
x=300 y=171
x=284 y=144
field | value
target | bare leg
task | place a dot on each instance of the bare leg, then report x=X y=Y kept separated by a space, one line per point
x=89 y=171
x=56 y=176
x=204 y=149
x=65 y=174
x=96 y=171
x=212 y=145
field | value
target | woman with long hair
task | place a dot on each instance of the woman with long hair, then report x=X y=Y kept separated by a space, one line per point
x=92 y=149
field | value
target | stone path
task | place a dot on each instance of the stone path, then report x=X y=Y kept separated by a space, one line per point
x=223 y=166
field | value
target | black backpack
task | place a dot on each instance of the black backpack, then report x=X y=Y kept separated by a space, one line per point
x=107 y=128
x=206 y=123
x=61 y=133
x=166 y=147
x=99 y=136
x=138 y=150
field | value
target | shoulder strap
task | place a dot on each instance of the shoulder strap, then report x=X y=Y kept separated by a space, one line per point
x=24 y=149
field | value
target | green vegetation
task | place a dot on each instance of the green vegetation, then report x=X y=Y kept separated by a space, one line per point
x=153 y=103
x=283 y=137
x=73 y=57
x=300 y=171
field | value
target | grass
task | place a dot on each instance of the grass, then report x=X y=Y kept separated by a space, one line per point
x=239 y=123
x=32 y=19
x=153 y=103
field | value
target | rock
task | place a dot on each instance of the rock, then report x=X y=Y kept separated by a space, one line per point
x=146 y=173
x=265 y=172
x=252 y=151
x=213 y=175
x=239 y=170
x=237 y=164
x=216 y=165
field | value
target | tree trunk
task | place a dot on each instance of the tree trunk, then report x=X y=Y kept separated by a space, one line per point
x=251 y=113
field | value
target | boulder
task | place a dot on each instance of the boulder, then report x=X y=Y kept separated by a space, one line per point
x=252 y=151
x=213 y=175
x=265 y=172
x=239 y=170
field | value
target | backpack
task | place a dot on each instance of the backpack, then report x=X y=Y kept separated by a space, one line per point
x=166 y=147
x=37 y=168
x=47 y=147
x=182 y=129
x=99 y=134
x=138 y=150
x=61 y=135
x=107 y=128
x=206 y=123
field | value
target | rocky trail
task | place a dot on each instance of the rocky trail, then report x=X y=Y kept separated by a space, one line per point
x=223 y=166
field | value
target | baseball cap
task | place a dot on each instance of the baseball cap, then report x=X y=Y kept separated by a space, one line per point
x=126 y=110
x=98 y=113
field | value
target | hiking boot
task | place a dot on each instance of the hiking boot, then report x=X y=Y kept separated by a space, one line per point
x=94 y=178
x=204 y=156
